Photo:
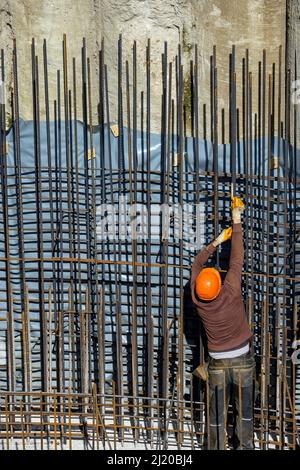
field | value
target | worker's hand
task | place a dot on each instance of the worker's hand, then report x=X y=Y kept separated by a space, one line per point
x=237 y=207
x=223 y=237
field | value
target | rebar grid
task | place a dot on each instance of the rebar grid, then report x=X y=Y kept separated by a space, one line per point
x=55 y=420
x=109 y=324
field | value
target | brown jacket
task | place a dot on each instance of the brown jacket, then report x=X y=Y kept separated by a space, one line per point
x=224 y=318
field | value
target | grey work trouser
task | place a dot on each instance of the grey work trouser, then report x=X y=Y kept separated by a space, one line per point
x=234 y=375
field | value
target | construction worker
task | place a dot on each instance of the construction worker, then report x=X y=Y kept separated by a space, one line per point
x=231 y=364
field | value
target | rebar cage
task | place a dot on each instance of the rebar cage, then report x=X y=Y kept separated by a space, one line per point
x=99 y=336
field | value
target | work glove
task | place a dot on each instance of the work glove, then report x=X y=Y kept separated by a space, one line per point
x=223 y=237
x=237 y=208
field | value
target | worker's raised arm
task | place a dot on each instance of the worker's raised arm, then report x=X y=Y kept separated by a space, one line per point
x=234 y=274
x=197 y=265
x=200 y=260
x=203 y=256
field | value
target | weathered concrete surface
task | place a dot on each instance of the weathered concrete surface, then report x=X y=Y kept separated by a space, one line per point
x=255 y=25
x=293 y=45
x=293 y=33
x=47 y=19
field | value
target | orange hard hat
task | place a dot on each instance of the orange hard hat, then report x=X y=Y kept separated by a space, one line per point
x=208 y=284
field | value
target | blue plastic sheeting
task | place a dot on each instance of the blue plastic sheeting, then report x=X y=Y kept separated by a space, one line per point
x=205 y=150
x=56 y=235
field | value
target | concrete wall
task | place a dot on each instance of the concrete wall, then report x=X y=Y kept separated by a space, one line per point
x=254 y=24
x=293 y=45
